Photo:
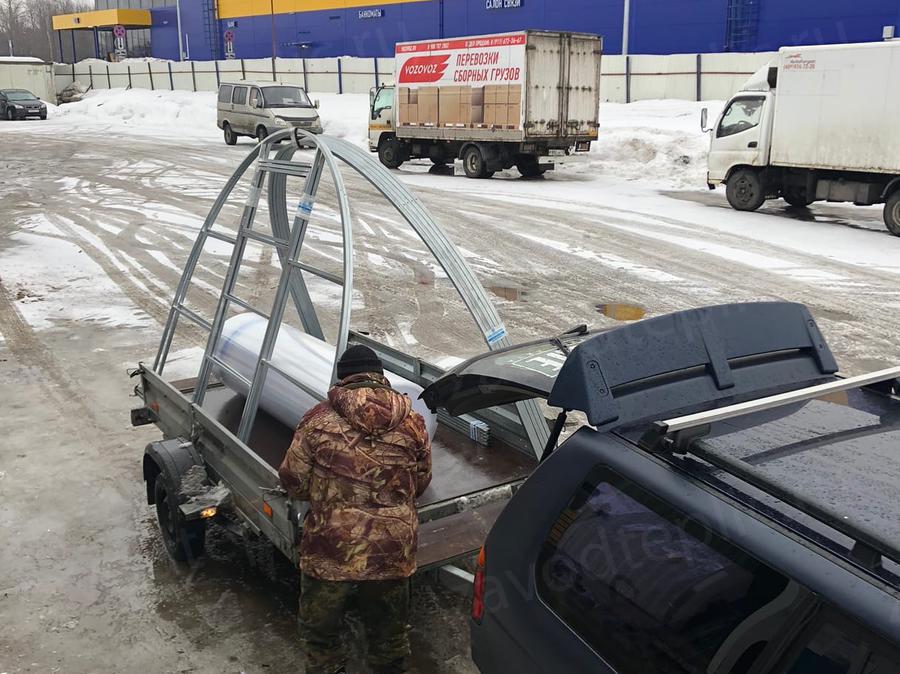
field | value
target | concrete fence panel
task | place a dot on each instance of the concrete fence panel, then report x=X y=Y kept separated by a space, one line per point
x=206 y=75
x=625 y=79
x=182 y=77
x=322 y=75
x=723 y=74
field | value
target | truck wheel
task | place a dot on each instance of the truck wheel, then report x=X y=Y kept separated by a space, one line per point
x=391 y=154
x=474 y=163
x=261 y=133
x=530 y=167
x=230 y=136
x=745 y=190
x=892 y=213
x=184 y=541
x=797 y=198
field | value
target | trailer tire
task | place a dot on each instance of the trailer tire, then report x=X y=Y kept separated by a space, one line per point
x=391 y=153
x=230 y=135
x=892 y=213
x=184 y=541
x=745 y=190
x=474 y=163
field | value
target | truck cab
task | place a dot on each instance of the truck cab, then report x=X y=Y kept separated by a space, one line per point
x=741 y=137
x=382 y=127
x=381 y=115
x=817 y=124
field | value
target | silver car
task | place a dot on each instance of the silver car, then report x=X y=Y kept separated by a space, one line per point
x=258 y=109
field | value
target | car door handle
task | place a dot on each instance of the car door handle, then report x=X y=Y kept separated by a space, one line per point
x=753 y=144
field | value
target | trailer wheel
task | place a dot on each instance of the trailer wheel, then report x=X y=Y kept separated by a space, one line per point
x=745 y=190
x=892 y=213
x=391 y=153
x=184 y=541
x=230 y=136
x=474 y=163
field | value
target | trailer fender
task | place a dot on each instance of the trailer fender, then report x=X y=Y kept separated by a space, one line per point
x=172 y=458
x=890 y=188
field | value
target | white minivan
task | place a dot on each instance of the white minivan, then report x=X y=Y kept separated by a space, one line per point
x=259 y=108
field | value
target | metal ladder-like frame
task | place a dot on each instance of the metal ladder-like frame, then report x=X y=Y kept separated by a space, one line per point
x=287 y=239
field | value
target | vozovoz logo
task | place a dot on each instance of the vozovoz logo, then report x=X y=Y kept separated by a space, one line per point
x=421 y=69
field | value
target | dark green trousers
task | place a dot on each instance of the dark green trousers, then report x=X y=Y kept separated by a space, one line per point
x=384 y=608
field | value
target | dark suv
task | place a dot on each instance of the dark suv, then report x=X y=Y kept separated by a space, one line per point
x=21 y=104
x=733 y=506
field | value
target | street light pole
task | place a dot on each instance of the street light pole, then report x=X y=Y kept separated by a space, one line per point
x=625 y=21
x=180 y=38
x=272 y=13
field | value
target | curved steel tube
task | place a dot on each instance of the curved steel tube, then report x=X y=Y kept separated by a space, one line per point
x=328 y=151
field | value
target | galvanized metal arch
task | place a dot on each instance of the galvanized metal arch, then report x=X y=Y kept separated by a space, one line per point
x=328 y=151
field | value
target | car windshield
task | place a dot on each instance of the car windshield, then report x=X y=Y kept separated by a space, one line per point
x=285 y=97
x=21 y=96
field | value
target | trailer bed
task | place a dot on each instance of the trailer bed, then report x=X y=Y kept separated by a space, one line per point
x=460 y=468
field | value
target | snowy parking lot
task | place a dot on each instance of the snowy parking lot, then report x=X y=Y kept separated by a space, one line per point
x=99 y=206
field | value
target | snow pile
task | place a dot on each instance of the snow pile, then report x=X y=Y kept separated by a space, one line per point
x=653 y=141
x=171 y=112
x=345 y=116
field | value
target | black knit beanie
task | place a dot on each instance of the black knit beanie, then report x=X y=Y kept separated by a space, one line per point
x=357 y=360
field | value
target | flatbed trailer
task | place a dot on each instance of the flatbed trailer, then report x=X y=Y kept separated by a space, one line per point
x=220 y=450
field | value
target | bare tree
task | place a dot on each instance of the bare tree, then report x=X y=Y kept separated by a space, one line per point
x=27 y=26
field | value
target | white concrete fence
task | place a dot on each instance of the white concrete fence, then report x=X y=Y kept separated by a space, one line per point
x=624 y=79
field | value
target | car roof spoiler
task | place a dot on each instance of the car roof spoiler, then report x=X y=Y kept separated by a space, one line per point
x=680 y=362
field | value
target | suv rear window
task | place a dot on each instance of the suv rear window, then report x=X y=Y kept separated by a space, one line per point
x=646 y=586
x=225 y=93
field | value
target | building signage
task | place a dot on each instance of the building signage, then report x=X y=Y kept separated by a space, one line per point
x=371 y=14
x=503 y=4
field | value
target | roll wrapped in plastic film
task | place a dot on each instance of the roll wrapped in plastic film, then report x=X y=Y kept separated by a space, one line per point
x=303 y=357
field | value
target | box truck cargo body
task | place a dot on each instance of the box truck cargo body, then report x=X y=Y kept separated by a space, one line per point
x=820 y=124
x=494 y=101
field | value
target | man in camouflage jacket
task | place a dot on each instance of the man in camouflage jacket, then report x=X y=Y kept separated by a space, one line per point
x=360 y=459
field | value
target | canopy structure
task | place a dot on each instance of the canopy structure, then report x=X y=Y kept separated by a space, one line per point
x=99 y=20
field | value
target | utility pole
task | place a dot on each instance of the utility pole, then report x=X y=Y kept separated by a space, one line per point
x=625 y=27
x=180 y=37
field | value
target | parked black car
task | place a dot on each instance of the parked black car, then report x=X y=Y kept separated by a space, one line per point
x=21 y=104
x=732 y=507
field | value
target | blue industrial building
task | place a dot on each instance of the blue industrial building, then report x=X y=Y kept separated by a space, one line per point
x=317 y=28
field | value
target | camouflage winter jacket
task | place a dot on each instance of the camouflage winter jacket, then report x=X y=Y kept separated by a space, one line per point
x=361 y=458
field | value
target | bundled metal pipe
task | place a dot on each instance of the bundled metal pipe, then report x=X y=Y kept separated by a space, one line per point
x=302 y=356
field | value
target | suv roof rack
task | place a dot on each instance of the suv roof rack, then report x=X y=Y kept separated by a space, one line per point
x=680 y=435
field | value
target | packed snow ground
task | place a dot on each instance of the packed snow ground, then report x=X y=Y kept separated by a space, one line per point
x=636 y=207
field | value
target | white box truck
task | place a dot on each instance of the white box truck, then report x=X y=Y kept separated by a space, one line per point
x=493 y=101
x=820 y=124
